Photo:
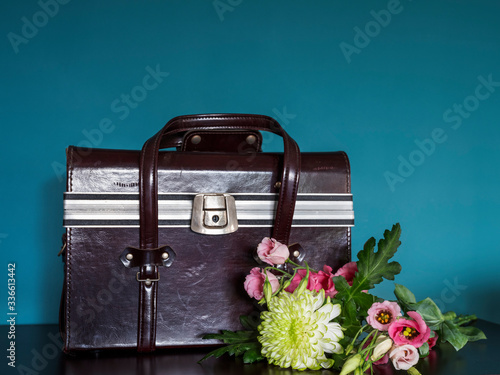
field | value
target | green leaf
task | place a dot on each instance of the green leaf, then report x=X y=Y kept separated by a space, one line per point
x=239 y=343
x=341 y=286
x=373 y=266
x=364 y=302
x=253 y=354
x=430 y=313
x=215 y=353
x=452 y=334
x=424 y=350
x=405 y=298
x=472 y=333
x=236 y=350
x=349 y=321
x=230 y=337
x=250 y=322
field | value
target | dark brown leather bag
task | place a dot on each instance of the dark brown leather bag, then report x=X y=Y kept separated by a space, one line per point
x=158 y=243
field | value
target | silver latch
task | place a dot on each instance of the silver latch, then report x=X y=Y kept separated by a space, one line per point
x=214 y=214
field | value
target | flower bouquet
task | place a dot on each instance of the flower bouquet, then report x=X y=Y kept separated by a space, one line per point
x=313 y=319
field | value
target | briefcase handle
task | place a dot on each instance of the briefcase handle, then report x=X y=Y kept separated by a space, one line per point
x=148 y=188
x=149 y=169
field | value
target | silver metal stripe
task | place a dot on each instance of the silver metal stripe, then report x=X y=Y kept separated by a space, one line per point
x=104 y=210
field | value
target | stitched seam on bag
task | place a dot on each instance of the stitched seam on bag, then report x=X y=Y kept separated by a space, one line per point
x=71 y=170
x=347 y=173
x=141 y=180
x=348 y=190
x=349 y=244
x=141 y=307
x=141 y=190
x=68 y=262
x=294 y=194
x=224 y=118
x=155 y=188
x=143 y=294
x=153 y=313
x=68 y=288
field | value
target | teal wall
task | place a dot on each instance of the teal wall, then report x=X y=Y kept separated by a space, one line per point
x=410 y=89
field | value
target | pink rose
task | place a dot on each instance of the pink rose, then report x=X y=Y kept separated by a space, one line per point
x=405 y=331
x=382 y=314
x=348 y=271
x=403 y=357
x=322 y=280
x=272 y=251
x=254 y=283
x=316 y=281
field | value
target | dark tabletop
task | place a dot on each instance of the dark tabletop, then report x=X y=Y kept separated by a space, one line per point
x=38 y=352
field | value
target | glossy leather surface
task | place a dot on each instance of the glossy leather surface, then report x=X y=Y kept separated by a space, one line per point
x=202 y=291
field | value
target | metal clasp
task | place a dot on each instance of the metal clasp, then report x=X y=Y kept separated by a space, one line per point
x=214 y=214
x=148 y=282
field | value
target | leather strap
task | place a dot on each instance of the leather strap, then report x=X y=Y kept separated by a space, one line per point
x=146 y=335
x=240 y=141
x=213 y=140
x=148 y=188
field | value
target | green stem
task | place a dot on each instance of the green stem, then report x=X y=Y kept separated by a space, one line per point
x=277 y=269
x=293 y=263
x=351 y=345
x=464 y=319
x=298 y=266
x=361 y=350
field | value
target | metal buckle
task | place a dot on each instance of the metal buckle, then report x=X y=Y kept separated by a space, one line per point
x=214 y=214
x=148 y=282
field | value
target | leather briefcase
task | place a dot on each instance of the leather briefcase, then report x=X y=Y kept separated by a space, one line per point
x=158 y=243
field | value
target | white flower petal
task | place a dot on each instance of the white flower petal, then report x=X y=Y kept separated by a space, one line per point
x=296 y=331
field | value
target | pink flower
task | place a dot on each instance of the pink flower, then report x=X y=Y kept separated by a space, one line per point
x=316 y=281
x=403 y=357
x=405 y=331
x=323 y=280
x=382 y=314
x=433 y=340
x=254 y=283
x=272 y=251
x=348 y=271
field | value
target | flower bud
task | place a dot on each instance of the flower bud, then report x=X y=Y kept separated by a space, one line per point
x=384 y=344
x=303 y=284
x=268 y=290
x=351 y=364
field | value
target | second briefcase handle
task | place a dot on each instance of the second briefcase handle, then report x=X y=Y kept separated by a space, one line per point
x=148 y=185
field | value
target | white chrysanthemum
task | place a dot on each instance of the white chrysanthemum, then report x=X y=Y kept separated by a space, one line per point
x=296 y=330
